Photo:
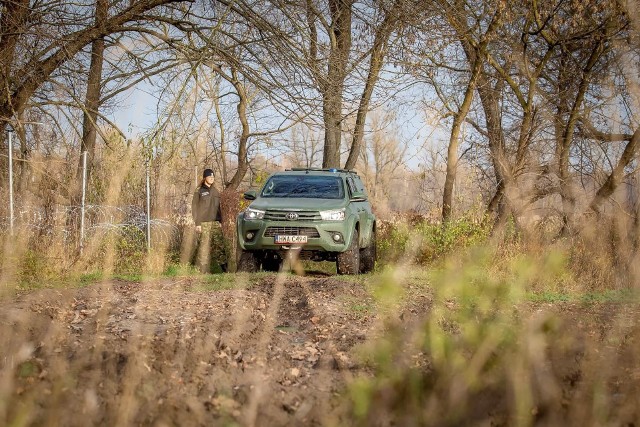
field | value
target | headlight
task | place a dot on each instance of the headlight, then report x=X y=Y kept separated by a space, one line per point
x=253 y=214
x=337 y=215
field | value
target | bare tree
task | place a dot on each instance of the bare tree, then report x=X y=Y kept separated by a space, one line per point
x=476 y=51
x=392 y=17
x=383 y=159
x=94 y=86
x=304 y=147
x=22 y=78
x=326 y=55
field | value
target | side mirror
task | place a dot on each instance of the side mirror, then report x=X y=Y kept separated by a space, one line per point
x=358 y=197
x=250 y=195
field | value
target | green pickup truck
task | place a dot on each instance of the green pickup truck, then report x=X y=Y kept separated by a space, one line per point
x=314 y=214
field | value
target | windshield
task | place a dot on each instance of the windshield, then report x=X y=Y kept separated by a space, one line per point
x=304 y=186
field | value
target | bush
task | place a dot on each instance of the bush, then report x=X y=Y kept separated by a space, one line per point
x=424 y=241
x=34 y=270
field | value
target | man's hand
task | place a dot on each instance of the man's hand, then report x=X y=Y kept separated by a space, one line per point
x=198 y=229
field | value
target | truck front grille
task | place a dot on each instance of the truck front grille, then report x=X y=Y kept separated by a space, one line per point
x=281 y=215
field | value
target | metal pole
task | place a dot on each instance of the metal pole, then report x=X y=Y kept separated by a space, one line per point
x=84 y=193
x=11 y=182
x=148 y=211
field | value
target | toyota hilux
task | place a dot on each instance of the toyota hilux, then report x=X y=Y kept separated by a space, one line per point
x=311 y=214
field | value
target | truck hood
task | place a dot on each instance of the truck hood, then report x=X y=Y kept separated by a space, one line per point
x=301 y=204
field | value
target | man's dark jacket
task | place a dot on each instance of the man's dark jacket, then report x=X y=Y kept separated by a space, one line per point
x=205 y=205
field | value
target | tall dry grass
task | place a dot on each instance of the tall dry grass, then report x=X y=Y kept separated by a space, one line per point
x=46 y=246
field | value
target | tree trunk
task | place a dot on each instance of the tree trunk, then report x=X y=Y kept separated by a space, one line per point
x=243 y=161
x=378 y=54
x=616 y=175
x=12 y=22
x=340 y=36
x=476 y=57
x=24 y=166
x=490 y=100
x=223 y=139
x=94 y=90
x=564 y=148
x=332 y=107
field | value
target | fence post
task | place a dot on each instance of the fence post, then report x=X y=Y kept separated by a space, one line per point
x=148 y=211
x=11 y=218
x=84 y=193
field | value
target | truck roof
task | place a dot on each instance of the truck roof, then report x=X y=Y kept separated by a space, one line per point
x=327 y=170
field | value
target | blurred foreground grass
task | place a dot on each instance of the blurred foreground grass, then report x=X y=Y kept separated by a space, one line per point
x=471 y=331
x=501 y=343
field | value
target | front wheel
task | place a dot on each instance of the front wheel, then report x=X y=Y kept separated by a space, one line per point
x=348 y=262
x=368 y=255
x=248 y=262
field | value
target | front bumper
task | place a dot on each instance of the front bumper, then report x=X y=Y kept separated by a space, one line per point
x=320 y=239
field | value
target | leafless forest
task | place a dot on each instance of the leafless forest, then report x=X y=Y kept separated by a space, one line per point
x=498 y=141
x=523 y=111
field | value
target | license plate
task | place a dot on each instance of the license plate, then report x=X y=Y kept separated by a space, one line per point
x=287 y=240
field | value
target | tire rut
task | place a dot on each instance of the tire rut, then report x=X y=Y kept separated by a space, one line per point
x=167 y=354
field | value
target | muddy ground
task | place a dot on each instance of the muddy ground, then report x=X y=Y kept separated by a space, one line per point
x=271 y=351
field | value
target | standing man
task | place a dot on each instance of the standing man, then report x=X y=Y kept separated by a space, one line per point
x=205 y=209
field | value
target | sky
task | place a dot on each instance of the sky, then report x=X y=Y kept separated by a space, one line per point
x=136 y=112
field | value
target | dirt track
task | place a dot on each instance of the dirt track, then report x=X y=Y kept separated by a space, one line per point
x=274 y=353
x=275 y=350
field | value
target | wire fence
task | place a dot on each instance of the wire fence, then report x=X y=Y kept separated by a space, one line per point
x=77 y=222
x=131 y=202
x=63 y=221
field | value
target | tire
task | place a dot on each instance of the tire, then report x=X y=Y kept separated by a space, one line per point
x=368 y=255
x=248 y=262
x=271 y=263
x=348 y=262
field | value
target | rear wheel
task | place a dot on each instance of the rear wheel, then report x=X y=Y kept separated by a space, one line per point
x=368 y=255
x=348 y=262
x=248 y=262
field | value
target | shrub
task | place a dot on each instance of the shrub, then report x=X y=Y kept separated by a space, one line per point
x=34 y=270
x=424 y=241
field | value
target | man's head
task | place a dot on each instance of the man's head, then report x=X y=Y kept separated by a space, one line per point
x=207 y=176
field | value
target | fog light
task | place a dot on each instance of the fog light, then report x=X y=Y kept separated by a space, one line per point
x=249 y=235
x=337 y=237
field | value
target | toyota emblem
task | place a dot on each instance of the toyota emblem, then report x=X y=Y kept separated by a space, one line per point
x=291 y=216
